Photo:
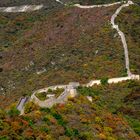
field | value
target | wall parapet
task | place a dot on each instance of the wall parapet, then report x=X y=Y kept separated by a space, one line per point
x=114 y=80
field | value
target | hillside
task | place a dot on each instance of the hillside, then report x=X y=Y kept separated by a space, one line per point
x=51 y=2
x=113 y=115
x=129 y=21
x=69 y=70
x=73 y=45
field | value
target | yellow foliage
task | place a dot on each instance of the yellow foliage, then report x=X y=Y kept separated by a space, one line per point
x=37 y=114
x=108 y=129
x=85 y=65
x=102 y=136
x=98 y=120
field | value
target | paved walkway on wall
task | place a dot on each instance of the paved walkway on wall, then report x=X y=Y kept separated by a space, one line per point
x=65 y=95
x=52 y=100
x=21 y=104
x=89 y=6
x=121 y=34
x=29 y=8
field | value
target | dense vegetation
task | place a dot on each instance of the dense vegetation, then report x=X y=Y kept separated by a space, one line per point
x=106 y=118
x=71 y=44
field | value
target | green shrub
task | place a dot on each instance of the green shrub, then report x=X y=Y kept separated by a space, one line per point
x=47 y=110
x=30 y=106
x=49 y=91
x=4 y=138
x=41 y=96
x=104 y=81
x=69 y=132
x=45 y=129
x=13 y=112
x=31 y=123
x=86 y=136
x=59 y=119
x=98 y=120
x=134 y=123
x=57 y=92
x=88 y=91
x=47 y=119
x=76 y=132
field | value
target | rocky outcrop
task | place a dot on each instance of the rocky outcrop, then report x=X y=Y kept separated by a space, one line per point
x=23 y=8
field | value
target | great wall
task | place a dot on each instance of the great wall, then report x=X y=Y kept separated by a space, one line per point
x=70 y=89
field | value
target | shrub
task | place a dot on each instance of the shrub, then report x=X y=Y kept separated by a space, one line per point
x=30 y=106
x=88 y=91
x=59 y=119
x=2 y=114
x=69 y=132
x=104 y=81
x=49 y=91
x=1 y=125
x=47 y=119
x=13 y=112
x=47 y=110
x=86 y=136
x=76 y=132
x=98 y=120
x=57 y=92
x=134 y=123
x=45 y=129
x=41 y=96
x=4 y=138
x=31 y=123
x=132 y=84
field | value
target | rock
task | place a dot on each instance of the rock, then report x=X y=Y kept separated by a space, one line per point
x=89 y=98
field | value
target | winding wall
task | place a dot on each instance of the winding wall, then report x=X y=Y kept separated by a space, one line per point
x=121 y=34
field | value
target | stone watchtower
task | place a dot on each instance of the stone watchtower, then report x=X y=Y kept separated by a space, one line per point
x=71 y=89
